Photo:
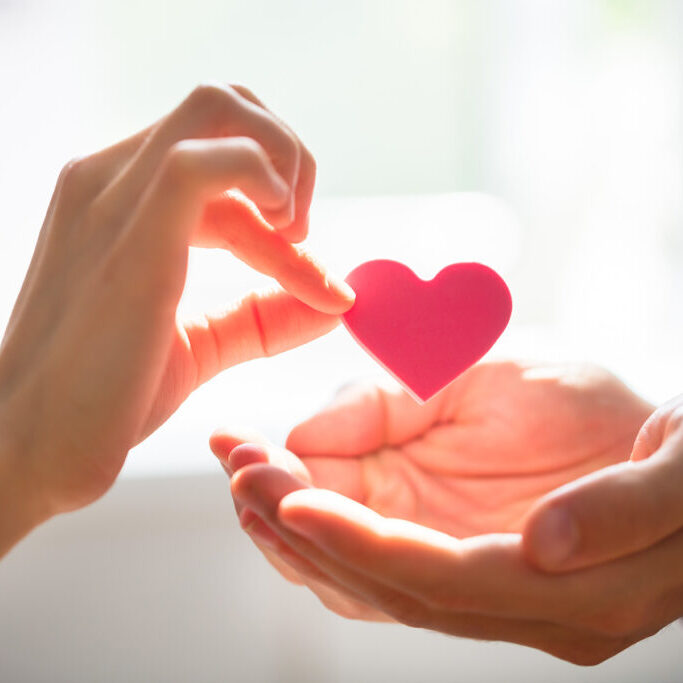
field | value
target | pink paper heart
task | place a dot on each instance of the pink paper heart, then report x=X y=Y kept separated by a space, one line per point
x=425 y=333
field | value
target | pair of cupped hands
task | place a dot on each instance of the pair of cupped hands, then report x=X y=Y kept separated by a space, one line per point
x=534 y=504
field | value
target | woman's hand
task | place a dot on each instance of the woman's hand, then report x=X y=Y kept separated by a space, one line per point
x=93 y=358
x=434 y=497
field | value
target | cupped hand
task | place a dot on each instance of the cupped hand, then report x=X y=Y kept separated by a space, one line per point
x=619 y=511
x=94 y=358
x=433 y=498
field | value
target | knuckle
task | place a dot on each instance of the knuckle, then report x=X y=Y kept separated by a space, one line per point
x=244 y=90
x=212 y=106
x=209 y=96
x=179 y=162
x=250 y=154
x=74 y=191
x=74 y=172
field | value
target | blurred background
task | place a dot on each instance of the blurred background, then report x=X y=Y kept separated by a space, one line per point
x=541 y=138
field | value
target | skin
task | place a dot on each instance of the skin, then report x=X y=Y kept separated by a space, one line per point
x=443 y=516
x=98 y=305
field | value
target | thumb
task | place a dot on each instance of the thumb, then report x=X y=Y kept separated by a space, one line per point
x=610 y=513
x=363 y=418
x=262 y=324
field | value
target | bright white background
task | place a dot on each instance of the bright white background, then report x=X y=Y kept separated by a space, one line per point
x=561 y=124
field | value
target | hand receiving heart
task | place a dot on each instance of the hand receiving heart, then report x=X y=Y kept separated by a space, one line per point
x=425 y=333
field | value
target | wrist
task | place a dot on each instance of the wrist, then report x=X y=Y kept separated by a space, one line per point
x=21 y=507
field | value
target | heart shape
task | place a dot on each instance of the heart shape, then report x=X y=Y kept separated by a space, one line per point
x=425 y=333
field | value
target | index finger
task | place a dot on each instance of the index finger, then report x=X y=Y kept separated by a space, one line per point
x=210 y=111
x=363 y=418
x=232 y=225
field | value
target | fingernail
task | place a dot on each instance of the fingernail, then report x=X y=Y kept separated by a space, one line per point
x=555 y=537
x=338 y=286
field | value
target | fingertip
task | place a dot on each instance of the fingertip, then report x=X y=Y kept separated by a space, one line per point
x=295 y=230
x=351 y=424
x=222 y=443
x=551 y=538
x=246 y=454
x=297 y=440
x=294 y=511
x=262 y=486
x=314 y=436
x=341 y=290
x=224 y=440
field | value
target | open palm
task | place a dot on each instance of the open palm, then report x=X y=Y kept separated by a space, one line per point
x=471 y=461
x=475 y=458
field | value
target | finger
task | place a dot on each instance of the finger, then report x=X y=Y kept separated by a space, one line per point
x=82 y=179
x=222 y=443
x=246 y=454
x=489 y=574
x=79 y=181
x=262 y=452
x=611 y=513
x=361 y=419
x=209 y=112
x=300 y=571
x=263 y=486
x=225 y=439
x=303 y=193
x=236 y=449
x=251 y=454
x=110 y=160
x=270 y=484
x=262 y=324
x=343 y=539
x=156 y=239
x=266 y=541
x=220 y=164
x=234 y=226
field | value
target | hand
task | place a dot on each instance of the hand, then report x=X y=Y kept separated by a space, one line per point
x=626 y=509
x=93 y=359
x=473 y=461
